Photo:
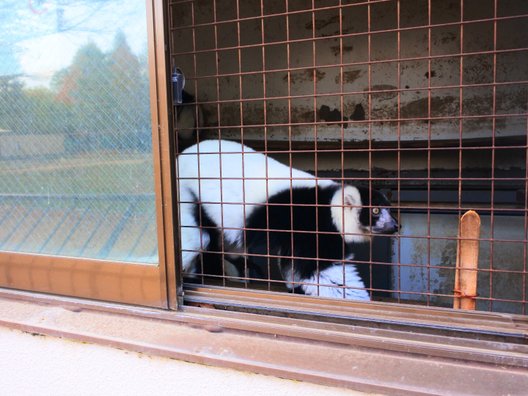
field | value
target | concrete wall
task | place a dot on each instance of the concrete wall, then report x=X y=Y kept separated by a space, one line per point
x=219 y=61
x=429 y=264
x=41 y=365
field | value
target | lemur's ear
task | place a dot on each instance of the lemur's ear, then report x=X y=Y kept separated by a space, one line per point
x=352 y=197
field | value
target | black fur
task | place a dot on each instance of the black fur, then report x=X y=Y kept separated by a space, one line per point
x=300 y=225
x=211 y=260
x=314 y=235
x=296 y=223
x=376 y=199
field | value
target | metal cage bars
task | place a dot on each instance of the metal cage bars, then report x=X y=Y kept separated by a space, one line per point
x=342 y=147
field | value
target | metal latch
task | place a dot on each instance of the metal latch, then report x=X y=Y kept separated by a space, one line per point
x=178 y=83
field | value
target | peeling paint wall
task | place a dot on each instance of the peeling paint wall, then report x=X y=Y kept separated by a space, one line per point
x=317 y=71
x=429 y=263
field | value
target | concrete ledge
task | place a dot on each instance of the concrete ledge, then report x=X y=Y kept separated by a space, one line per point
x=333 y=357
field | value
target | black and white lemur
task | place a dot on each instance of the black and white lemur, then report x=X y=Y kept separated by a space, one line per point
x=258 y=206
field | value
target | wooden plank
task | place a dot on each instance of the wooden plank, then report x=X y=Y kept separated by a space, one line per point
x=467 y=261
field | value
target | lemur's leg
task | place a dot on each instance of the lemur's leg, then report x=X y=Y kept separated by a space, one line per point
x=334 y=281
x=337 y=281
x=193 y=238
x=239 y=267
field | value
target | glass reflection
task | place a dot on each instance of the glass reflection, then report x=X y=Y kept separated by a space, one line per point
x=76 y=175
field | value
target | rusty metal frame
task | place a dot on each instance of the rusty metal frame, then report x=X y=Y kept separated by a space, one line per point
x=380 y=315
x=112 y=281
x=365 y=358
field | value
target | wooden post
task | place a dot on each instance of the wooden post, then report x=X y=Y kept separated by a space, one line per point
x=467 y=261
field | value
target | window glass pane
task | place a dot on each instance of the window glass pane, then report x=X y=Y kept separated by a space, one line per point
x=76 y=167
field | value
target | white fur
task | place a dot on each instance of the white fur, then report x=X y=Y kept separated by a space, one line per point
x=345 y=215
x=337 y=281
x=232 y=180
x=332 y=282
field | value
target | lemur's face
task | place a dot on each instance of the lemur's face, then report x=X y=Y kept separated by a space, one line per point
x=375 y=216
x=358 y=213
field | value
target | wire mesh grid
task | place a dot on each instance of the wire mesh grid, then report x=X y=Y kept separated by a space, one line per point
x=424 y=101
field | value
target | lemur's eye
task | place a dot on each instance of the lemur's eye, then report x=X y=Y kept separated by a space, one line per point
x=376 y=211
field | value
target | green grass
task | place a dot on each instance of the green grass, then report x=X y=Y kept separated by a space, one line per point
x=106 y=173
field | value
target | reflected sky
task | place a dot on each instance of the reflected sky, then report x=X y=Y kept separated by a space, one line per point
x=76 y=176
x=41 y=37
